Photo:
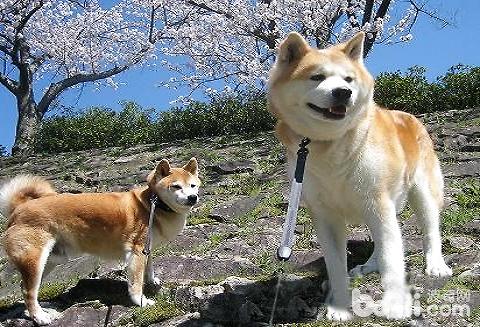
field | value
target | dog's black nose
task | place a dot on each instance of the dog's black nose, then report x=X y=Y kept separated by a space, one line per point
x=341 y=93
x=192 y=199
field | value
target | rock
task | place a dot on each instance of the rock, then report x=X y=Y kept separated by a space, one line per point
x=474 y=272
x=87 y=181
x=197 y=297
x=249 y=312
x=235 y=284
x=462 y=169
x=125 y=159
x=232 y=167
x=187 y=268
x=81 y=316
x=298 y=309
x=460 y=242
x=473 y=227
x=192 y=319
x=227 y=212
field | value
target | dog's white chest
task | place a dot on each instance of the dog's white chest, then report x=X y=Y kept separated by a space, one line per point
x=338 y=186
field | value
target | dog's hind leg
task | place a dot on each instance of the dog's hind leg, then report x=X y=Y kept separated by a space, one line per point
x=426 y=200
x=331 y=235
x=136 y=271
x=28 y=249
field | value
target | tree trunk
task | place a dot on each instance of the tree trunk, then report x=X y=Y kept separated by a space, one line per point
x=27 y=126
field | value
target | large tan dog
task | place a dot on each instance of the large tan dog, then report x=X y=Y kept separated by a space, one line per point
x=364 y=163
x=45 y=227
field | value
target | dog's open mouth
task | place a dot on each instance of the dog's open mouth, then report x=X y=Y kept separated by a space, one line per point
x=335 y=112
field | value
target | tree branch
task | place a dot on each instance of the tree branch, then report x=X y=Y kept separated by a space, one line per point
x=381 y=12
x=56 y=88
x=205 y=7
x=25 y=19
x=351 y=16
x=367 y=14
x=9 y=83
x=432 y=15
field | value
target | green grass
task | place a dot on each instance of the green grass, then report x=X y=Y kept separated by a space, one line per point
x=468 y=207
x=269 y=207
x=51 y=290
x=164 y=308
x=239 y=184
x=162 y=249
x=406 y=213
x=7 y=302
x=207 y=282
x=464 y=283
x=202 y=216
x=474 y=315
x=471 y=122
x=270 y=265
x=214 y=240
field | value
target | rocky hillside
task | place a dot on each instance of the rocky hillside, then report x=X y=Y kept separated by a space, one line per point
x=221 y=270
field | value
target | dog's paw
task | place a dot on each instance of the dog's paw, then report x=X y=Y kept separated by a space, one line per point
x=396 y=304
x=142 y=301
x=42 y=318
x=438 y=268
x=361 y=270
x=338 y=314
x=145 y=302
x=155 y=281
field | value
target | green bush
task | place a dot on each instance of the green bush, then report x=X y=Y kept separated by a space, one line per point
x=245 y=113
x=96 y=127
x=458 y=89
x=100 y=127
x=3 y=151
x=240 y=114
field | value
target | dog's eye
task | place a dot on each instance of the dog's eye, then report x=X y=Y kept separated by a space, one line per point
x=348 y=79
x=318 y=77
x=176 y=187
x=193 y=186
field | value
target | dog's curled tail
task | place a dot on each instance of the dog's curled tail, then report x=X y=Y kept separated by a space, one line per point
x=21 y=189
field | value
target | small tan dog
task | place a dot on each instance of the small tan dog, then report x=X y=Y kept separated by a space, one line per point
x=45 y=227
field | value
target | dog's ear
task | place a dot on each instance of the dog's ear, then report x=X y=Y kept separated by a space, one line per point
x=353 y=48
x=192 y=166
x=163 y=169
x=293 y=48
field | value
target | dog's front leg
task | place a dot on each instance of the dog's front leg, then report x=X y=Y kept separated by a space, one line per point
x=136 y=271
x=386 y=233
x=331 y=234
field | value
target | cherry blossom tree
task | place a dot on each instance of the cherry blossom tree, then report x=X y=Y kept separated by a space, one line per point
x=63 y=44
x=234 y=41
x=49 y=46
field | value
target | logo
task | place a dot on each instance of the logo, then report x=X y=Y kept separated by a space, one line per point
x=444 y=303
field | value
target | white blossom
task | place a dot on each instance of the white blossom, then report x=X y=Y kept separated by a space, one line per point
x=201 y=42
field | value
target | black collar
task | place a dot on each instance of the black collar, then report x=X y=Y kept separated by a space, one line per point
x=159 y=203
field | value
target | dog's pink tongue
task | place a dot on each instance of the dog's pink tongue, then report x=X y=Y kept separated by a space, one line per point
x=341 y=110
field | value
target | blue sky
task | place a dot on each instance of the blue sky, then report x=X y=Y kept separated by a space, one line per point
x=434 y=48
